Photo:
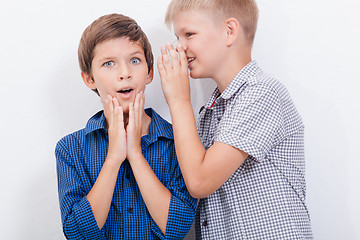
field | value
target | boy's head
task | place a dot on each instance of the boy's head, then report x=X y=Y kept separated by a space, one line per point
x=216 y=35
x=110 y=27
x=245 y=11
x=115 y=58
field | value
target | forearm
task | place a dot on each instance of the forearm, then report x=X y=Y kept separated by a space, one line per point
x=156 y=196
x=102 y=192
x=189 y=149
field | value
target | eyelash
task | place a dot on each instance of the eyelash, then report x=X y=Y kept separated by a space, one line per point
x=106 y=64
x=137 y=59
x=111 y=63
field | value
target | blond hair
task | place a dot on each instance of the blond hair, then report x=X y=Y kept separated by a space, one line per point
x=245 y=11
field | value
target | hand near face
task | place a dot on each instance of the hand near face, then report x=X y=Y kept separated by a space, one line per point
x=174 y=75
x=134 y=127
x=117 y=136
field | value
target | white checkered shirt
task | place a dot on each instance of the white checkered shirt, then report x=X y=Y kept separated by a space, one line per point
x=265 y=197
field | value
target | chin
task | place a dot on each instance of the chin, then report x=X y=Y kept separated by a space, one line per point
x=193 y=75
x=196 y=75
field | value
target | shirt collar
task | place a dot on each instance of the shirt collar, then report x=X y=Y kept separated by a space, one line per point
x=96 y=122
x=159 y=127
x=245 y=75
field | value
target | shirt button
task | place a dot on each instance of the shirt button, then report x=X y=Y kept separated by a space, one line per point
x=205 y=223
x=127 y=176
x=130 y=210
x=219 y=119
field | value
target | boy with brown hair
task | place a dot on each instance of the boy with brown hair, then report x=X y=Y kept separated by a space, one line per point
x=118 y=178
x=246 y=161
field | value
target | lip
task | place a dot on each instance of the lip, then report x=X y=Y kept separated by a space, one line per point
x=125 y=93
x=190 y=60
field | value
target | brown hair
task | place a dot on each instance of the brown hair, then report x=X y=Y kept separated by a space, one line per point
x=110 y=27
x=245 y=11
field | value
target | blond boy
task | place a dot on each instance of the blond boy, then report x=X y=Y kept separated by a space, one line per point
x=246 y=161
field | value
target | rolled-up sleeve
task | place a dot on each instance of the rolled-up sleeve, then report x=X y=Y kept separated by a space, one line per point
x=77 y=217
x=254 y=123
x=182 y=209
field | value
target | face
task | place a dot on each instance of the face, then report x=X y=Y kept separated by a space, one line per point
x=202 y=40
x=119 y=69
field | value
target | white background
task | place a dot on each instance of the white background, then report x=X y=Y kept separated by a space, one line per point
x=311 y=46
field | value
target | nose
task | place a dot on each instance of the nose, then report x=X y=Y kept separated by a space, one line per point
x=124 y=72
x=182 y=42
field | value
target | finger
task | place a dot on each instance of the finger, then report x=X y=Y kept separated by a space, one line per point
x=121 y=117
x=136 y=107
x=107 y=103
x=142 y=101
x=141 y=107
x=183 y=58
x=116 y=108
x=174 y=57
x=161 y=68
x=165 y=59
x=131 y=116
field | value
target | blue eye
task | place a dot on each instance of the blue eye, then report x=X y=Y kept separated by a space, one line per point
x=109 y=64
x=135 y=61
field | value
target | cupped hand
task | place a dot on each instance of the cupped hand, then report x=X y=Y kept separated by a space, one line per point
x=117 y=151
x=174 y=74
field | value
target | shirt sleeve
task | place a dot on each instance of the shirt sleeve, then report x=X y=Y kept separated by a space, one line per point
x=182 y=208
x=254 y=123
x=77 y=217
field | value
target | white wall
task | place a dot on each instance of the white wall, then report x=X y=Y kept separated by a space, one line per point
x=311 y=46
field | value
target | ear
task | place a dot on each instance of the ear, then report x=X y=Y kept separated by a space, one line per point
x=88 y=80
x=232 y=31
x=150 y=76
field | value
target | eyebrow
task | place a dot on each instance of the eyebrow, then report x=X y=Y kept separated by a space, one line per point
x=136 y=52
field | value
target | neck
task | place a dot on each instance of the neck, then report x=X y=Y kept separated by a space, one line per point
x=229 y=70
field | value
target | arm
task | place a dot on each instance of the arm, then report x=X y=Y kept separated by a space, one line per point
x=156 y=196
x=193 y=158
x=100 y=196
x=78 y=221
x=171 y=206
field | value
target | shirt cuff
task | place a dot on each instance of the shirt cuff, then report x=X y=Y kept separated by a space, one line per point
x=180 y=219
x=243 y=145
x=82 y=223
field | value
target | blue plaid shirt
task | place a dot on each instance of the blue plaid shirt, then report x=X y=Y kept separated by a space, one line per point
x=80 y=156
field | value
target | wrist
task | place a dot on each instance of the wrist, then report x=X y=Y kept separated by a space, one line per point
x=177 y=104
x=135 y=155
x=114 y=161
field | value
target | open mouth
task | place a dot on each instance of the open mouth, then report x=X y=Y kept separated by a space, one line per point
x=190 y=60
x=126 y=92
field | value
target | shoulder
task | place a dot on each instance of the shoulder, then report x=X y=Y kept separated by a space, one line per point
x=96 y=122
x=261 y=88
x=71 y=141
